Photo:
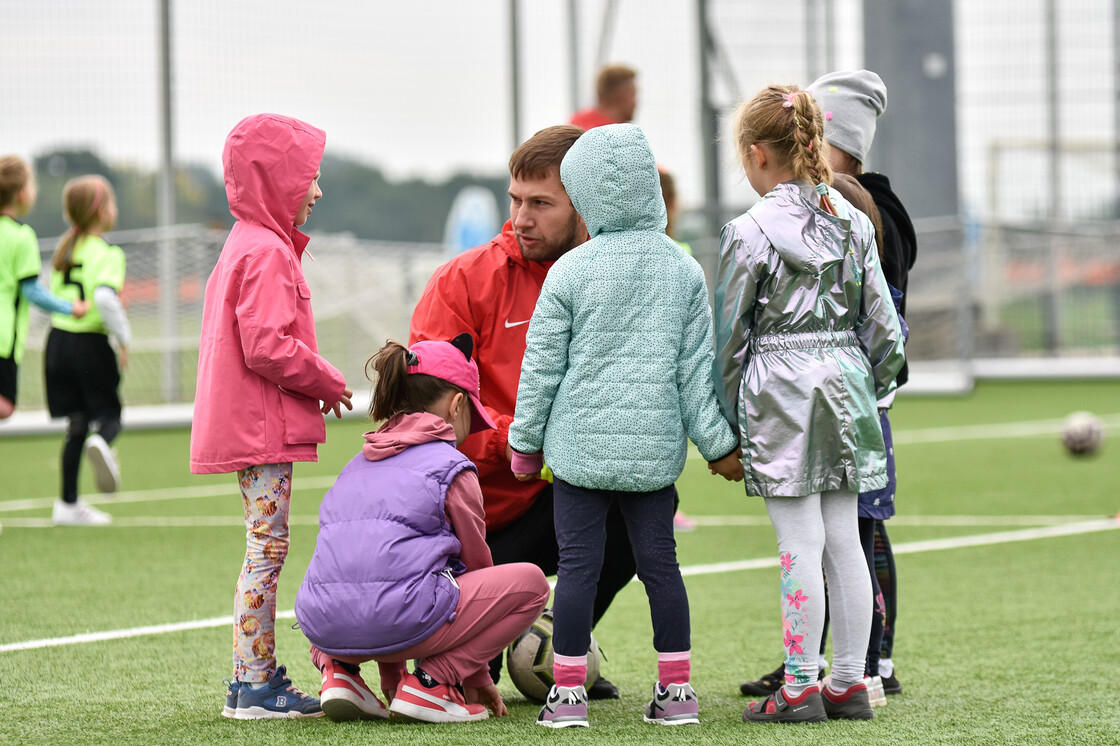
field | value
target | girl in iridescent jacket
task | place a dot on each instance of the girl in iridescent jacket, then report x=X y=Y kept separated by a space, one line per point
x=807 y=339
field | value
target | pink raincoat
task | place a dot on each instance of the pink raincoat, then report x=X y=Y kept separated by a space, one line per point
x=260 y=377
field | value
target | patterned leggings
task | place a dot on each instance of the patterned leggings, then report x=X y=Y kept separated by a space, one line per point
x=266 y=492
x=811 y=529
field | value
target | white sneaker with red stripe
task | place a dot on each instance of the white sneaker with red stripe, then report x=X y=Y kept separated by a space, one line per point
x=345 y=696
x=421 y=697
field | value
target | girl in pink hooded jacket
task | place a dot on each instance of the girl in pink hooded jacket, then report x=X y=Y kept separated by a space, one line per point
x=262 y=387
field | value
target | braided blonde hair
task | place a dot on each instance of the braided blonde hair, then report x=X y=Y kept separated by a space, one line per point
x=788 y=120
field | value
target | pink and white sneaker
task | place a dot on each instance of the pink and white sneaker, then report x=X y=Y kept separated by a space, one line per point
x=345 y=696
x=421 y=697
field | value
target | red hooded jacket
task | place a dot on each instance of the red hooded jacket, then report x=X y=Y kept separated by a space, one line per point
x=489 y=292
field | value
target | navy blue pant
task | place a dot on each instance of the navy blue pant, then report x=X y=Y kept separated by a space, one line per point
x=580 y=515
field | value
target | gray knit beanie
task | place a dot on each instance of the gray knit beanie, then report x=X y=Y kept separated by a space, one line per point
x=851 y=101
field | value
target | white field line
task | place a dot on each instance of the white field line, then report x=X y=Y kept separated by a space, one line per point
x=913 y=520
x=985 y=432
x=901 y=437
x=956 y=542
x=931 y=521
x=167 y=493
x=120 y=634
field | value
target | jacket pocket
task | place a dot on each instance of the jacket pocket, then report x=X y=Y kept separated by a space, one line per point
x=303 y=421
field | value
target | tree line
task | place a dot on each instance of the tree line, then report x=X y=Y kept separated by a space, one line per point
x=359 y=198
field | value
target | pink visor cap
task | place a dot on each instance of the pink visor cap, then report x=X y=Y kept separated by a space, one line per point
x=451 y=362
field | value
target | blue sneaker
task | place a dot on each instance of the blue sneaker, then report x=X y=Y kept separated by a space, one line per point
x=278 y=699
x=232 y=688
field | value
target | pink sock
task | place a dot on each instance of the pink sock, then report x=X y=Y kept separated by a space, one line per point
x=569 y=670
x=674 y=668
x=318 y=658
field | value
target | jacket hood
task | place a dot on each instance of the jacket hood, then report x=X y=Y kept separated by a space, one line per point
x=404 y=431
x=270 y=161
x=611 y=177
x=806 y=237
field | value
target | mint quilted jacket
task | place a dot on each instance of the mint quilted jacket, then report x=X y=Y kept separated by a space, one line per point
x=617 y=372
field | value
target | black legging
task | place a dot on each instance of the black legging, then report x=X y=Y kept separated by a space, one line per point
x=867 y=540
x=885 y=573
x=76 y=431
x=532 y=538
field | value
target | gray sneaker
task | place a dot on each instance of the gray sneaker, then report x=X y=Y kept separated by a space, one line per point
x=565 y=707
x=851 y=704
x=777 y=708
x=675 y=704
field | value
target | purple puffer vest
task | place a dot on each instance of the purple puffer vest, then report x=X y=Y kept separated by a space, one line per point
x=379 y=581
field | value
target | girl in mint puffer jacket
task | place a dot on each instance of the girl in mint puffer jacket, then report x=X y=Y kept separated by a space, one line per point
x=616 y=376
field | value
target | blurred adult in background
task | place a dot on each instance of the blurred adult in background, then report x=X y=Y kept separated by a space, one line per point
x=490 y=292
x=617 y=94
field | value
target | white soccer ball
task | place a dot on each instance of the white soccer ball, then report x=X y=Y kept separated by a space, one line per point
x=1083 y=433
x=529 y=660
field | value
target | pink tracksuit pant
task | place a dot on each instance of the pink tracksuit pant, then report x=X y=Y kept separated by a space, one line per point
x=496 y=604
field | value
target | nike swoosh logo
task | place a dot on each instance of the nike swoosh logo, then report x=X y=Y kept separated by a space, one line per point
x=511 y=324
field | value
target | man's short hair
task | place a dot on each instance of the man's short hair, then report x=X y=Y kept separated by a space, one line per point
x=611 y=78
x=541 y=154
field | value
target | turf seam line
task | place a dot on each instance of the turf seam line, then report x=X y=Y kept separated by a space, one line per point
x=901 y=437
x=913 y=547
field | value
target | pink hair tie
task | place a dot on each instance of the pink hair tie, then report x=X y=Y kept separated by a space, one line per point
x=789 y=100
x=828 y=116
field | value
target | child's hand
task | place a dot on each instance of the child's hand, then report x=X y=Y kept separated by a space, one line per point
x=487 y=695
x=527 y=477
x=79 y=308
x=730 y=467
x=344 y=401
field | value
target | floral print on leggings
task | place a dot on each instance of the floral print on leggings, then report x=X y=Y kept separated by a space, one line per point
x=266 y=492
x=795 y=621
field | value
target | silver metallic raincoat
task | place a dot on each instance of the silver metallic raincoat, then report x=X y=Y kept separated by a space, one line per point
x=807 y=339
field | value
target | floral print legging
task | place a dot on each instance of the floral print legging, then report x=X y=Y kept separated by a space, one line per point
x=812 y=529
x=266 y=493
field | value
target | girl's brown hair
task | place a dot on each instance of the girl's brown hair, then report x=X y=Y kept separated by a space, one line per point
x=787 y=120
x=83 y=199
x=14 y=176
x=861 y=199
x=395 y=391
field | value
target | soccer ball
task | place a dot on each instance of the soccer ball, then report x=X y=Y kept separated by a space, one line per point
x=529 y=660
x=1083 y=433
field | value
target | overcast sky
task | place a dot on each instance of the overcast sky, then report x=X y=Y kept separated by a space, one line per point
x=423 y=88
x=418 y=88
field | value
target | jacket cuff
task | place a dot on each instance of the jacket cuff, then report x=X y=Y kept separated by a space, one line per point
x=721 y=458
x=527 y=463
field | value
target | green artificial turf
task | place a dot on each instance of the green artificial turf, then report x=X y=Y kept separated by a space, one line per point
x=1011 y=642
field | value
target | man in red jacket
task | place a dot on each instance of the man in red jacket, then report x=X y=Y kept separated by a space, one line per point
x=490 y=292
x=617 y=97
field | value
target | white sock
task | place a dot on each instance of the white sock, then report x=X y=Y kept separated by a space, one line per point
x=255 y=684
x=886 y=667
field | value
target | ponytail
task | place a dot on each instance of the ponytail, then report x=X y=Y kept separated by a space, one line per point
x=809 y=161
x=82 y=201
x=395 y=390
